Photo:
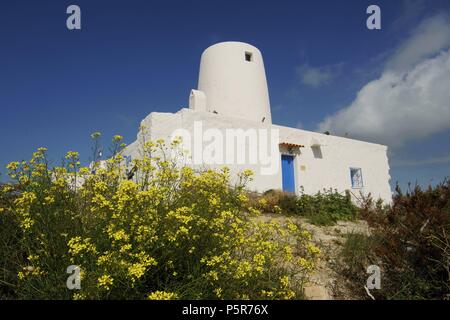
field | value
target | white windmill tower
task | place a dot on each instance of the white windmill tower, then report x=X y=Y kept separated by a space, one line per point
x=232 y=82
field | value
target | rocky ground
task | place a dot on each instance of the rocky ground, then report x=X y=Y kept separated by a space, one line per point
x=325 y=283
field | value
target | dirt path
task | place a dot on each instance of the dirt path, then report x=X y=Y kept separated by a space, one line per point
x=324 y=283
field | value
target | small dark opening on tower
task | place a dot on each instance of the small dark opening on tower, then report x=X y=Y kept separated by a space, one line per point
x=248 y=56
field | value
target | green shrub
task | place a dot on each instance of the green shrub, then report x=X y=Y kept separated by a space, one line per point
x=168 y=233
x=276 y=201
x=324 y=208
x=411 y=242
x=355 y=256
x=327 y=207
x=9 y=247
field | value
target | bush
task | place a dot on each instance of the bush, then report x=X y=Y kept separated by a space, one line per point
x=356 y=255
x=276 y=201
x=411 y=244
x=170 y=233
x=324 y=208
x=9 y=246
x=327 y=207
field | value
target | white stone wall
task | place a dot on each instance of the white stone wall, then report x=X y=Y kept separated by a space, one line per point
x=338 y=155
x=232 y=85
x=312 y=172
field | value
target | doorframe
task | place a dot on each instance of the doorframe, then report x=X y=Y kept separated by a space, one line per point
x=294 y=159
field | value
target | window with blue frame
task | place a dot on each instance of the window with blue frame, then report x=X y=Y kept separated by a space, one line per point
x=356 y=178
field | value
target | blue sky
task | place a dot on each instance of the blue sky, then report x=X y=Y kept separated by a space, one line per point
x=325 y=70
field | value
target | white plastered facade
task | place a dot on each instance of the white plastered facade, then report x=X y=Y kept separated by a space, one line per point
x=232 y=94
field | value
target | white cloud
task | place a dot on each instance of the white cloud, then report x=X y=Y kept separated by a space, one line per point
x=431 y=36
x=318 y=76
x=411 y=98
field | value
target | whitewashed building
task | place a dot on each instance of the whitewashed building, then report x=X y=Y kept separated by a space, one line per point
x=229 y=123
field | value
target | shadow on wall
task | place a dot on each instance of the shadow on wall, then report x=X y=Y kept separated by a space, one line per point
x=317 y=151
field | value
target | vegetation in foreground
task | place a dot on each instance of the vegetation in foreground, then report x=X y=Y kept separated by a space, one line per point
x=323 y=209
x=409 y=241
x=170 y=233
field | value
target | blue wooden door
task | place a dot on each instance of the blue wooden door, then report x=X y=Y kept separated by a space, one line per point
x=287 y=171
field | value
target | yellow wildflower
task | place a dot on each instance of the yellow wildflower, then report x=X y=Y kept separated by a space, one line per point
x=162 y=295
x=105 y=281
x=49 y=200
x=117 y=138
x=12 y=166
x=313 y=249
x=79 y=296
x=26 y=224
x=218 y=292
x=72 y=155
x=79 y=246
x=284 y=281
x=136 y=270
